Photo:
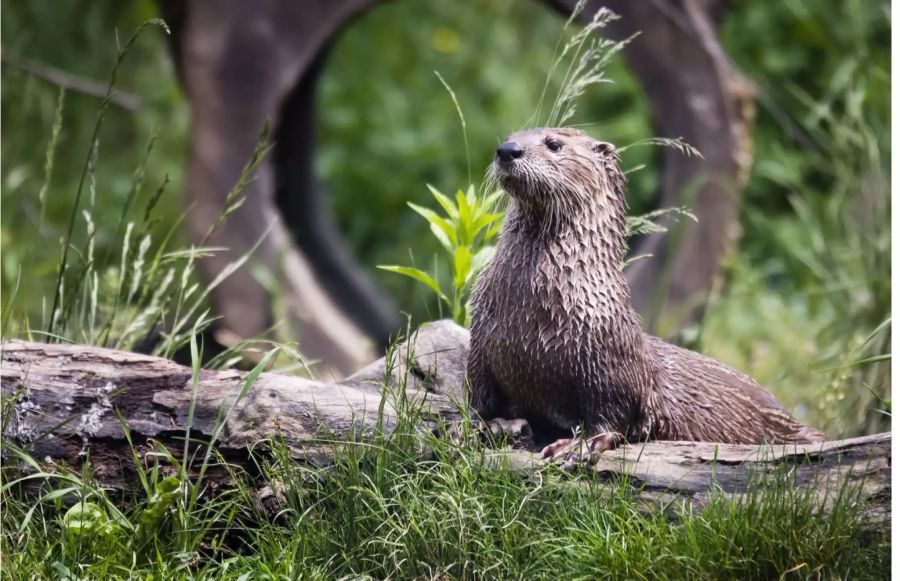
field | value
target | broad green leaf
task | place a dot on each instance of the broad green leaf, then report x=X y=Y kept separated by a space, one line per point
x=484 y=221
x=84 y=518
x=462 y=265
x=470 y=197
x=433 y=218
x=418 y=275
x=465 y=219
x=493 y=230
x=164 y=495
x=442 y=238
x=483 y=207
x=445 y=202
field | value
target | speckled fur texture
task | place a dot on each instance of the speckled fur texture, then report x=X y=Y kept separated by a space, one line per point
x=555 y=339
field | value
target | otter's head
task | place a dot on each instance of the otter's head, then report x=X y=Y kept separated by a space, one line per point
x=560 y=171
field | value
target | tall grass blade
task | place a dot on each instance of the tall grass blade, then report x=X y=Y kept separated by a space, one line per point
x=98 y=124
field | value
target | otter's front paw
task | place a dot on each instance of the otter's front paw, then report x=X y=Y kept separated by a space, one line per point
x=517 y=432
x=499 y=431
x=571 y=452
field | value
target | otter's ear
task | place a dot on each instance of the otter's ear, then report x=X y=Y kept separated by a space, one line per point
x=604 y=148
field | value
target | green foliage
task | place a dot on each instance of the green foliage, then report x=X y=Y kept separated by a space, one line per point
x=804 y=307
x=57 y=310
x=585 y=57
x=164 y=496
x=646 y=223
x=496 y=56
x=120 y=299
x=406 y=504
x=84 y=527
x=163 y=530
x=818 y=273
x=466 y=233
x=812 y=48
x=37 y=192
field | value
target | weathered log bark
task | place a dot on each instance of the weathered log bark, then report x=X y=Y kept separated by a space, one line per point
x=69 y=399
x=672 y=473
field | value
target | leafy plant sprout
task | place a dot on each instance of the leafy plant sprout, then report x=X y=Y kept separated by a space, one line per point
x=466 y=233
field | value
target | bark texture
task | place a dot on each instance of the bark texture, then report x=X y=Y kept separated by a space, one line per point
x=670 y=473
x=68 y=400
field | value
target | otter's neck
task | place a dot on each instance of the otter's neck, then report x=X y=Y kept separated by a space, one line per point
x=594 y=237
x=577 y=261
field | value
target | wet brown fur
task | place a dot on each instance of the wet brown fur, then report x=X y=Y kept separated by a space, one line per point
x=555 y=339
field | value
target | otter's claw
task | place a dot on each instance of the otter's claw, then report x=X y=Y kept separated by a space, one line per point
x=569 y=452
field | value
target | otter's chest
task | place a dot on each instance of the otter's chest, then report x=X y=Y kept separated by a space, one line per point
x=542 y=331
x=545 y=297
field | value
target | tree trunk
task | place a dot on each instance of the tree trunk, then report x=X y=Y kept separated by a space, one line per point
x=68 y=401
x=695 y=94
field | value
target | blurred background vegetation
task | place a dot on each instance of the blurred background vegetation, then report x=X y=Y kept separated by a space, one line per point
x=806 y=296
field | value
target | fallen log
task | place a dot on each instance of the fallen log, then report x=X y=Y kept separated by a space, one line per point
x=672 y=474
x=68 y=402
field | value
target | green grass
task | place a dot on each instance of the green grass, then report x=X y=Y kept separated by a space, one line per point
x=811 y=297
x=385 y=509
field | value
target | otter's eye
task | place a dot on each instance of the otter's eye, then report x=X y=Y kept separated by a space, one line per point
x=553 y=145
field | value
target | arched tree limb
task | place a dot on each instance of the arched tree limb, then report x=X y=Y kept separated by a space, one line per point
x=243 y=63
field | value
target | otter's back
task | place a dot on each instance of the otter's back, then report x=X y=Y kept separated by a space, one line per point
x=707 y=400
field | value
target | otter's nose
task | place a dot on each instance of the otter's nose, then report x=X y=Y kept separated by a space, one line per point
x=509 y=151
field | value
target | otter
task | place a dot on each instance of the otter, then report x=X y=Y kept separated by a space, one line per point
x=555 y=339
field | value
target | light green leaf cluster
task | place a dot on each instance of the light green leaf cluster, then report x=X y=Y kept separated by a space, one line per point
x=466 y=232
